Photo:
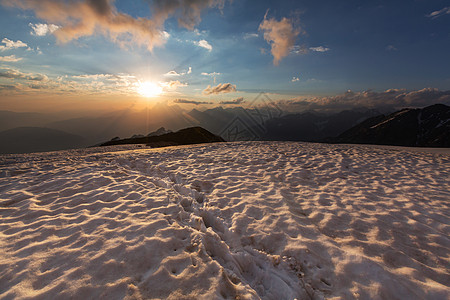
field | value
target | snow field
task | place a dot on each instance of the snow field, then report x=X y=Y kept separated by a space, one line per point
x=247 y=220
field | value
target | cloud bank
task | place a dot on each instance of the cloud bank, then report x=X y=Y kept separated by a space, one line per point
x=236 y=101
x=281 y=35
x=221 y=88
x=80 y=18
x=186 y=101
x=385 y=101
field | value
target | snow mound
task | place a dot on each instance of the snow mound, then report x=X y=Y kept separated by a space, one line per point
x=247 y=220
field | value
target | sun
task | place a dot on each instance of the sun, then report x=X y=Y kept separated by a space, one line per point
x=149 y=89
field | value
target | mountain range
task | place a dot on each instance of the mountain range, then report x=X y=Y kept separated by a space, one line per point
x=408 y=127
x=186 y=136
x=427 y=127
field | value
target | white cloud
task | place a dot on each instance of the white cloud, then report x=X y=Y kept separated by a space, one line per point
x=11 y=44
x=165 y=35
x=93 y=76
x=10 y=58
x=171 y=73
x=211 y=74
x=295 y=79
x=176 y=74
x=438 y=13
x=204 y=44
x=319 y=49
x=250 y=35
x=43 y=29
x=299 y=49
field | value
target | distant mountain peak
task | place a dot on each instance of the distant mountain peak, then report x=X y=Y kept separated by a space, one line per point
x=159 y=132
x=426 y=127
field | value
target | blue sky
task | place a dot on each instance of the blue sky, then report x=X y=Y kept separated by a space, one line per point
x=289 y=49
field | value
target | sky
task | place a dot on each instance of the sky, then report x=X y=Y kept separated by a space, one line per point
x=106 y=54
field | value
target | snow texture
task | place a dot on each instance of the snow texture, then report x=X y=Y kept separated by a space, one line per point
x=247 y=220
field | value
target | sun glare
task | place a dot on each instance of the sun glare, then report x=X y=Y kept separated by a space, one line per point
x=149 y=89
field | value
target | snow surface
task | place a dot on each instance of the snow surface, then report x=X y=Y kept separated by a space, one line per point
x=247 y=220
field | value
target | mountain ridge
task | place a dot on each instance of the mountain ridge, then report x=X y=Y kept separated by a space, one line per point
x=413 y=127
x=186 y=136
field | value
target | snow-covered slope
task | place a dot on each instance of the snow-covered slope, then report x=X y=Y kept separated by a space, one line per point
x=228 y=220
x=426 y=127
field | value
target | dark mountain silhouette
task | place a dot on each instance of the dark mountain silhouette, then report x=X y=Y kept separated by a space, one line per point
x=309 y=126
x=159 y=132
x=37 y=139
x=426 y=127
x=312 y=126
x=187 y=136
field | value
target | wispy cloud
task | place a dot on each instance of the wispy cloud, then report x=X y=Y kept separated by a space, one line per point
x=319 y=49
x=173 y=84
x=186 y=101
x=43 y=29
x=203 y=44
x=297 y=49
x=10 y=58
x=221 y=88
x=176 y=74
x=438 y=13
x=211 y=74
x=11 y=44
x=96 y=76
x=250 y=35
x=391 y=48
x=172 y=73
x=281 y=35
x=88 y=17
x=236 y=101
